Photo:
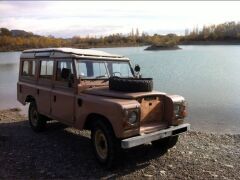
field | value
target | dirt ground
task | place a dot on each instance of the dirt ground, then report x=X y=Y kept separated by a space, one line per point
x=65 y=153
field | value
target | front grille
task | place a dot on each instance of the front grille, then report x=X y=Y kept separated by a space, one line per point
x=151 y=109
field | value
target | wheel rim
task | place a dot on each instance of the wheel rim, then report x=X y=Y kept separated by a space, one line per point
x=101 y=144
x=34 y=117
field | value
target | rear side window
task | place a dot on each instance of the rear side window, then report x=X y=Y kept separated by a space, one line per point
x=46 y=71
x=64 y=71
x=28 y=68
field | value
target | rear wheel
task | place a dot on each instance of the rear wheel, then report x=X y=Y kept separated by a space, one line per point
x=167 y=143
x=105 y=144
x=36 y=120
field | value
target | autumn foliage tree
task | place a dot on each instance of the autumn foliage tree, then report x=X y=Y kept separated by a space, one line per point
x=20 y=40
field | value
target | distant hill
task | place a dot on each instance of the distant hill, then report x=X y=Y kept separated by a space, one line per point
x=16 y=33
x=18 y=40
x=21 y=33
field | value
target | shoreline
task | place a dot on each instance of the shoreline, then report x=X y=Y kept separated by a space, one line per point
x=161 y=48
x=186 y=43
x=203 y=156
x=192 y=43
x=112 y=46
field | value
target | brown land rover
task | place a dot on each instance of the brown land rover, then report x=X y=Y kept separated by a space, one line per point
x=98 y=91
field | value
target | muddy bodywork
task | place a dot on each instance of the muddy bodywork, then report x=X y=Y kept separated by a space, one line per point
x=85 y=100
x=155 y=109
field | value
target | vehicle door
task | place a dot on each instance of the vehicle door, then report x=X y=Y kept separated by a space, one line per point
x=44 y=86
x=62 y=98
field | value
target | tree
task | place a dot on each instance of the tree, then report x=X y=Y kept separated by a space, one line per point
x=5 y=32
x=137 y=32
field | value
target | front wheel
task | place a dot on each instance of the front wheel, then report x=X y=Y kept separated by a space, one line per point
x=167 y=143
x=105 y=144
x=36 y=120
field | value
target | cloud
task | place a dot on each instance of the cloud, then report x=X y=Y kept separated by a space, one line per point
x=65 y=19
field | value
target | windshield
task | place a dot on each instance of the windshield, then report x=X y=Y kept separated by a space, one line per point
x=92 y=69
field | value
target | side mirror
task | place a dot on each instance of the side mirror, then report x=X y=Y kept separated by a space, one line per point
x=137 y=68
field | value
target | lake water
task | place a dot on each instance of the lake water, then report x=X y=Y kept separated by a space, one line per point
x=207 y=76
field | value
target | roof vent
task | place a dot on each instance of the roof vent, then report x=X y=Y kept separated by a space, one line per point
x=42 y=54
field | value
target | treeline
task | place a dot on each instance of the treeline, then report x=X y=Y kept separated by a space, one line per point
x=108 y=41
x=116 y=40
x=18 y=40
x=20 y=43
x=229 y=31
x=13 y=40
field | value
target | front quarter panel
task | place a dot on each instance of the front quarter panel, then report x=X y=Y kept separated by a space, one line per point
x=110 y=108
x=170 y=100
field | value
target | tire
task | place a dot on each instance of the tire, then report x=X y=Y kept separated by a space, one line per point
x=131 y=84
x=166 y=143
x=105 y=145
x=36 y=120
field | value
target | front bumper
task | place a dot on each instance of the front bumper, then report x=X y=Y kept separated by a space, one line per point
x=146 y=138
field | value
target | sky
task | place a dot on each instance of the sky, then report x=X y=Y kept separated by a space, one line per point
x=81 y=18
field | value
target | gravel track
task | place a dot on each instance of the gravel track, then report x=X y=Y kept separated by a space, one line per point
x=65 y=153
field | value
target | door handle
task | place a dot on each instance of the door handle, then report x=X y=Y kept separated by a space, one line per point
x=37 y=91
x=54 y=98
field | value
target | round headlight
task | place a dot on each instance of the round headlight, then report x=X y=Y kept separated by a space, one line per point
x=132 y=117
x=176 y=109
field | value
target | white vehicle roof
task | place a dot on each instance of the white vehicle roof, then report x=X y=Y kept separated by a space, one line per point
x=70 y=52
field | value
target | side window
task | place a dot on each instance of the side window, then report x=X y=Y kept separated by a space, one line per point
x=28 y=68
x=82 y=69
x=65 y=71
x=46 y=69
x=99 y=69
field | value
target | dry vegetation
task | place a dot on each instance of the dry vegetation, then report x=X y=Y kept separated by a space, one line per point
x=228 y=33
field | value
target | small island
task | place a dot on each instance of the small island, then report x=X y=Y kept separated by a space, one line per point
x=168 y=42
x=156 y=47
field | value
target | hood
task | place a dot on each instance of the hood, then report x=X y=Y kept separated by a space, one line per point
x=104 y=91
